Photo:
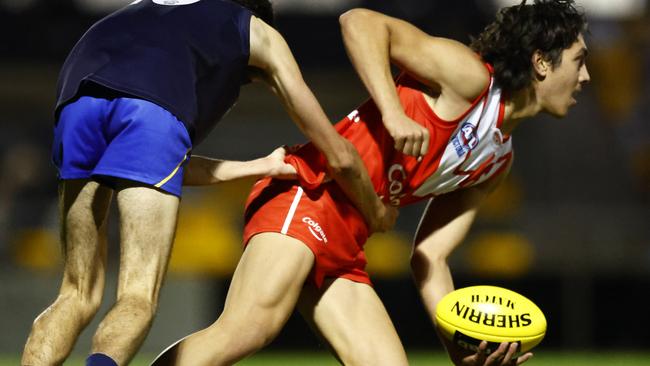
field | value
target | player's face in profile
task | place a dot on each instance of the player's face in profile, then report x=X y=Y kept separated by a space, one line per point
x=565 y=80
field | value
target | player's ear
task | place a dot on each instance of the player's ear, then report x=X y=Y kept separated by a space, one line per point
x=541 y=65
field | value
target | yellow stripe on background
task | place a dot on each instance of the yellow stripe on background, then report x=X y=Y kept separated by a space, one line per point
x=171 y=175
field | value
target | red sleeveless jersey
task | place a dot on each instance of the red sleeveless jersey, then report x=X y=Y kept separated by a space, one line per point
x=462 y=153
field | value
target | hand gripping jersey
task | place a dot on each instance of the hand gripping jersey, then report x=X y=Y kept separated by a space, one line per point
x=188 y=56
x=462 y=153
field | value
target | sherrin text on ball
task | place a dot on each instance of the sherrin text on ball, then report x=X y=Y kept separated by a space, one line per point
x=470 y=315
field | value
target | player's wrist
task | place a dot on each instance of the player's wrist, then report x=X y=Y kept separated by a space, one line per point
x=392 y=115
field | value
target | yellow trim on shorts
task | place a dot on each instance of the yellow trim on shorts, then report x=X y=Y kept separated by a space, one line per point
x=171 y=175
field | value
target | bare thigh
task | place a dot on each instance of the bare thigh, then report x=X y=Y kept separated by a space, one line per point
x=352 y=319
x=147 y=228
x=261 y=297
x=83 y=208
x=266 y=285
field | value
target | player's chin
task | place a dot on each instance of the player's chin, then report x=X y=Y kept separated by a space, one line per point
x=560 y=111
x=570 y=104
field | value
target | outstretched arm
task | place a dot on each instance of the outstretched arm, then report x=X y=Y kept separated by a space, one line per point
x=443 y=227
x=374 y=41
x=270 y=53
x=201 y=170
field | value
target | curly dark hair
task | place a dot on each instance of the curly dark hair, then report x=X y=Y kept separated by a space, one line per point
x=260 y=8
x=509 y=42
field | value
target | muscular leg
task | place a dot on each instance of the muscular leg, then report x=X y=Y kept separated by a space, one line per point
x=83 y=206
x=147 y=227
x=261 y=297
x=351 y=317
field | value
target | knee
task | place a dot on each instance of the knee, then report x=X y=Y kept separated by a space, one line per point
x=82 y=288
x=84 y=294
x=260 y=337
x=91 y=305
x=251 y=332
x=81 y=305
x=264 y=325
x=139 y=306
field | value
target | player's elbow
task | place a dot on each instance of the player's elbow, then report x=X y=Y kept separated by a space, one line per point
x=342 y=160
x=347 y=18
x=342 y=164
x=425 y=261
x=353 y=17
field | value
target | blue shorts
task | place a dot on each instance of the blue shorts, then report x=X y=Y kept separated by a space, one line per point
x=123 y=138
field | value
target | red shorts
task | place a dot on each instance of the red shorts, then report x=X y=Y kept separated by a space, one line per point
x=323 y=219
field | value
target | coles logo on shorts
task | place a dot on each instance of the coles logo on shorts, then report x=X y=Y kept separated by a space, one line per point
x=315 y=229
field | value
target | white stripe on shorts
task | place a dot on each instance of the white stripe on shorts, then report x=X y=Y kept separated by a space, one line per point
x=292 y=211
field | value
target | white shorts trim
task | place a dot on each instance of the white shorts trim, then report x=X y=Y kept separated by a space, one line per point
x=292 y=211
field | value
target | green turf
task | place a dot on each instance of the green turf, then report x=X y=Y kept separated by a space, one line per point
x=416 y=359
x=590 y=359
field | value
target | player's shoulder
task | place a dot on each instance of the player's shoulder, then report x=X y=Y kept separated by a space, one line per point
x=472 y=78
x=259 y=28
x=268 y=48
x=457 y=68
x=262 y=34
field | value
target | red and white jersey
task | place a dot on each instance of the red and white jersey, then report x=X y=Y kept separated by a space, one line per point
x=462 y=153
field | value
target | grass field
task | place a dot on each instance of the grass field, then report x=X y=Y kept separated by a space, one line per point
x=417 y=359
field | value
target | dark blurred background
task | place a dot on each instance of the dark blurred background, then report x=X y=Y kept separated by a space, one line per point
x=570 y=228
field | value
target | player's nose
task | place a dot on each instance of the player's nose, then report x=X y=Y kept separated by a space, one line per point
x=584 y=75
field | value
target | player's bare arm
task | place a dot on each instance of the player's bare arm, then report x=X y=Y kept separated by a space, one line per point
x=443 y=227
x=374 y=41
x=270 y=53
x=201 y=170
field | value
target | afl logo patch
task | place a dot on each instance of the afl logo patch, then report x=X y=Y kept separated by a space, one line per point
x=466 y=139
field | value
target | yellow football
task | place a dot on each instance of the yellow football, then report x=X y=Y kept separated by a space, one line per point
x=473 y=314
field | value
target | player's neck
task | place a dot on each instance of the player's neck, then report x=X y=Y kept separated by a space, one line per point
x=519 y=106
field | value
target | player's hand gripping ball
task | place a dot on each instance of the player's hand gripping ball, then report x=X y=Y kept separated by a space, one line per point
x=470 y=315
